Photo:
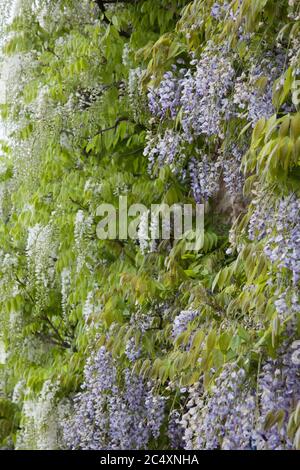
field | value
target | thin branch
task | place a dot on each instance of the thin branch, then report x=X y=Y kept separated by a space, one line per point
x=57 y=334
x=51 y=340
x=133 y=152
x=114 y=127
x=101 y=6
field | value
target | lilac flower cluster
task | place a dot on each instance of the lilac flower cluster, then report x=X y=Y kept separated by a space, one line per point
x=279 y=390
x=135 y=414
x=202 y=94
x=230 y=163
x=284 y=246
x=205 y=94
x=182 y=320
x=165 y=100
x=132 y=351
x=260 y=220
x=205 y=175
x=235 y=415
x=109 y=414
x=88 y=426
x=203 y=97
x=164 y=150
x=218 y=10
x=224 y=417
x=287 y=303
x=142 y=321
x=253 y=93
x=175 y=430
x=282 y=233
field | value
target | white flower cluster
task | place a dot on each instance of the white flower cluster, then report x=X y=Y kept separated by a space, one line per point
x=159 y=228
x=143 y=232
x=82 y=230
x=65 y=289
x=39 y=426
x=41 y=252
x=92 y=306
x=137 y=99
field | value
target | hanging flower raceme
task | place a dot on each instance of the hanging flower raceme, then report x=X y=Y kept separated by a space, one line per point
x=165 y=100
x=222 y=418
x=165 y=150
x=205 y=94
x=205 y=176
x=112 y=415
x=253 y=94
x=279 y=225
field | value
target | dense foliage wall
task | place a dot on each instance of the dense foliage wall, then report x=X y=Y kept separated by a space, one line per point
x=124 y=344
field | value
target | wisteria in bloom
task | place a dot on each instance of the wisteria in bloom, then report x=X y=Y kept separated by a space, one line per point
x=205 y=94
x=174 y=347
x=230 y=163
x=126 y=55
x=141 y=320
x=287 y=304
x=87 y=426
x=135 y=415
x=175 y=430
x=82 y=229
x=151 y=229
x=19 y=390
x=39 y=428
x=223 y=418
x=65 y=288
x=82 y=225
x=41 y=253
x=164 y=101
x=205 y=175
x=143 y=232
x=260 y=220
x=280 y=225
x=110 y=415
x=202 y=95
x=234 y=415
x=132 y=350
x=164 y=150
x=253 y=93
x=137 y=99
x=218 y=10
x=182 y=320
x=284 y=246
x=279 y=390
x=92 y=307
